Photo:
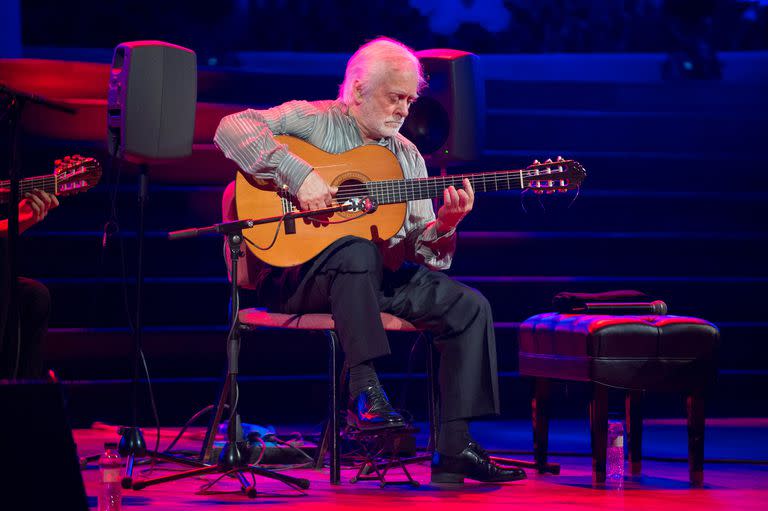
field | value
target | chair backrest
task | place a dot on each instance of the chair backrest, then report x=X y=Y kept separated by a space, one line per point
x=247 y=267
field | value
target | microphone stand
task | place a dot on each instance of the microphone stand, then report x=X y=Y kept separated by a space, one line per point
x=18 y=100
x=231 y=461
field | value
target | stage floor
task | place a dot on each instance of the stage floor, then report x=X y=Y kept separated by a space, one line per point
x=736 y=475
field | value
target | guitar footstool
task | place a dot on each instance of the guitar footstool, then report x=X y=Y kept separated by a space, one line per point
x=635 y=353
x=371 y=444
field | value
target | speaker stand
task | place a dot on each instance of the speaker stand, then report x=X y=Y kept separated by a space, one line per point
x=132 y=444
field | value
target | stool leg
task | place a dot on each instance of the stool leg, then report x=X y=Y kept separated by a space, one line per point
x=695 y=408
x=540 y=421
x=598 y=422
x=634 y=411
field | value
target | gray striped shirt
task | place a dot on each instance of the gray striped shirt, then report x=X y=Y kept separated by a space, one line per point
x=247 y=138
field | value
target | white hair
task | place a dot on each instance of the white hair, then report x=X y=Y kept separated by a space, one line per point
x=368 y=64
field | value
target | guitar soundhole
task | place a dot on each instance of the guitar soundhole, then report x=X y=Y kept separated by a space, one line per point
x=350 y=186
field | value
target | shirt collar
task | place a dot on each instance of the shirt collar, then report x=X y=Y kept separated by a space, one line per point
x=344 y=109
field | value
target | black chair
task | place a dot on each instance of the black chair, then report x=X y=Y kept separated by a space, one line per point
x=254 y=319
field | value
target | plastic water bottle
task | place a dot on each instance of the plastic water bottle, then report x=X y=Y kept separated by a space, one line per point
x=615 y=455
x=110 y=470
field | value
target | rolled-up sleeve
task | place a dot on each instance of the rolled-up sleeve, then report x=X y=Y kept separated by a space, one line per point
x=422 y=243
x=247 y=138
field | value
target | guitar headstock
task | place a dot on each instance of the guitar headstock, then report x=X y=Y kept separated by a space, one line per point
x=75 y=174
x=554 y=176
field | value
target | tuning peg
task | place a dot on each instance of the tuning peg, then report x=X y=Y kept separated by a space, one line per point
x=549 y=160
x=560 y=158
x=536 y=162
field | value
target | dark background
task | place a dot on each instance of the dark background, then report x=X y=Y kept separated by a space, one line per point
x=663 y=102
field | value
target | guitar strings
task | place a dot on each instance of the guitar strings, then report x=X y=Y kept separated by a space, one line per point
x=30 y=180
x=32 y=183
x=416 y=185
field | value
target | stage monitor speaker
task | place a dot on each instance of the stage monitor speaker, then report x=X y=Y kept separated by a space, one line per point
x=447 y=123
x=151 y=101
x=41 y=468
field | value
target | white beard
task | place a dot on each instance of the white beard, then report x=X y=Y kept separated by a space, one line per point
x=378 y=128
x=389 y=129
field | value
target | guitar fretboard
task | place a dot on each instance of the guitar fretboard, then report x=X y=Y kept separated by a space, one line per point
x=404 y=190
x=45 y=183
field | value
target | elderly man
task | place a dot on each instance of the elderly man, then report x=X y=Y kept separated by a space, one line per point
x=356 y=279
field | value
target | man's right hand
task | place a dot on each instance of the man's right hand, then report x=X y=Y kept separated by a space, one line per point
x=315 y=193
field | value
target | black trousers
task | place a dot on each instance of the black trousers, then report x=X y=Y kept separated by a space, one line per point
x=34 y=311
x=348 y=280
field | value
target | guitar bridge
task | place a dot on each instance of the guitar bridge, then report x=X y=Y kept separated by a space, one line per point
x=285 y=199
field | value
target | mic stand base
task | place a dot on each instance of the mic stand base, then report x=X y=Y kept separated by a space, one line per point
x=230 y=461
x=133 y=445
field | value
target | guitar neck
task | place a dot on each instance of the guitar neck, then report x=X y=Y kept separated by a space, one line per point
x=404 y=190
x=44 y=183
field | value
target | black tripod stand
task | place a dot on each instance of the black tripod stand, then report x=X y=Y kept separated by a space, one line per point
x=231 y=461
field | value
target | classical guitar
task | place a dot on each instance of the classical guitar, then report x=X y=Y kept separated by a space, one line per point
x=369 y=174
x=71 y=175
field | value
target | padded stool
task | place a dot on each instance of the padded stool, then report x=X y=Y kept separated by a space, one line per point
x=636 y=353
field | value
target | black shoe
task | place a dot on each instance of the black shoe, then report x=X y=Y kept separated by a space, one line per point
x=371 y=410
x=473 y=463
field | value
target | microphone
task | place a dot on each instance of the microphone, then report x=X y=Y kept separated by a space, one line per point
x=370 y=205
x=184 y=233
x=654 y=307
x=364 y=204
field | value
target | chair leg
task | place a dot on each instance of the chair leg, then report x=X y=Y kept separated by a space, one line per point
x=598 y=422
x=540 y=422
x=330 y=440
x=695 y=409
x=432 y=397
x=634 y=417
x=335 y=408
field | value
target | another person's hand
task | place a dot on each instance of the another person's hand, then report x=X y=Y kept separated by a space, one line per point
x=315 y=193
x=456 y=205
x=35 y=206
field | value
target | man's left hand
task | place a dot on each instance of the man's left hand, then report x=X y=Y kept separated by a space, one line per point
x=35 y=206
x=456 y=205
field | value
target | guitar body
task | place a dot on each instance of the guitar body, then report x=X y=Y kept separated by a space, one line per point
x=300 y=239
x=259 y=199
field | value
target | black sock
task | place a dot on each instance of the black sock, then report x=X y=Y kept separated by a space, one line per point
x=453 y=437
x=361 y=376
